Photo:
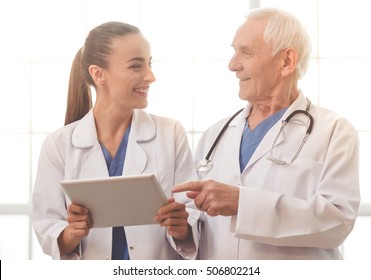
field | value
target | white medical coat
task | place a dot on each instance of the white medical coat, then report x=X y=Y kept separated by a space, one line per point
x=156 y=145
x=302 y=211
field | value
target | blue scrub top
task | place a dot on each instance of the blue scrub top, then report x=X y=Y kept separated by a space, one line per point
x=115 y=167
x=252 y=138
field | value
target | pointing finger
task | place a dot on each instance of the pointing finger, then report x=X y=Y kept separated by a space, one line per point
x=195 y=186
x=192 y=195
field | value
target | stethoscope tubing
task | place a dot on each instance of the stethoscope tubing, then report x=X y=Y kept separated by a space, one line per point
x=206 y=163
x=216 y=141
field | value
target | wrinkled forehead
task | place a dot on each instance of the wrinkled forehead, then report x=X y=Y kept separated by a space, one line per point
x=250 y=33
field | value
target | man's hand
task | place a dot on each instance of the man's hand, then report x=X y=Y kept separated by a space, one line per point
x=212 y=197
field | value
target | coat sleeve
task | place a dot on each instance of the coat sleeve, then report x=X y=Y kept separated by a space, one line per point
x=48 y=200
x=185 y=171
x=325 y=218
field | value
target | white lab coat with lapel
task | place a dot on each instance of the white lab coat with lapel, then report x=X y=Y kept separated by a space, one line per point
x=156 y=145
x=302 y=211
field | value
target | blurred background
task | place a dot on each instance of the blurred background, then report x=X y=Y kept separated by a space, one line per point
x=191 y=48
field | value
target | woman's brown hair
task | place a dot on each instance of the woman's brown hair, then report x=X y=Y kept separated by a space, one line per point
x=96 y=51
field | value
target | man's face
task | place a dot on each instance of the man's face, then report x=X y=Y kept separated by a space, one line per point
x=258 y=72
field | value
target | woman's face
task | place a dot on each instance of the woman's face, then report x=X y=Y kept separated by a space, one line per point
x=128 y=76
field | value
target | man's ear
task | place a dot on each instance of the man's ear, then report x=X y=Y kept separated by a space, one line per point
x=289 y=61
x=97 y=74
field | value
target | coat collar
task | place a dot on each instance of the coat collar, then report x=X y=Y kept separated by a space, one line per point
x=299 y=104
x=266 y=144
x=88 y=153
x=85 y=133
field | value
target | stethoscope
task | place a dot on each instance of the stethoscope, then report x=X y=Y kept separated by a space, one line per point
x=206 y=164
x=275 y=160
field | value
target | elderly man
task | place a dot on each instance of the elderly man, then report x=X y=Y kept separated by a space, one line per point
x=283 y=179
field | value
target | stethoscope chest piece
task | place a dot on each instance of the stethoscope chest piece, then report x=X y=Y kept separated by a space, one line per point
x=204 y=165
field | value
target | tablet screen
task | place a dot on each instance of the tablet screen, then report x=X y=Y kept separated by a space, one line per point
x=119 y=200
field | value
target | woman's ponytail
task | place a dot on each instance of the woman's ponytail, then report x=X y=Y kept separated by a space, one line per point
x=79 y=100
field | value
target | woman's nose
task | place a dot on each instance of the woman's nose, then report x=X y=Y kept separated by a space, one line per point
x=150 y=76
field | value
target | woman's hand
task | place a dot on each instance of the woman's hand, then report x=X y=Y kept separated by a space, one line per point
x=79 y=225
x=174 y=217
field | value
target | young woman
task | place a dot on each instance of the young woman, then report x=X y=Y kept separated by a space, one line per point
x=114 y=137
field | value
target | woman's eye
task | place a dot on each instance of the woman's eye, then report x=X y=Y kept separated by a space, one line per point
x=136 y=66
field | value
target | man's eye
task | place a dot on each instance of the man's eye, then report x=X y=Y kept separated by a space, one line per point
x=136 y=66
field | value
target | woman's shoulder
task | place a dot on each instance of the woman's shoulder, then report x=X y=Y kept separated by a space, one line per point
x=60 y=136
x=158 y=119
x=163 y=119
x=64 y=130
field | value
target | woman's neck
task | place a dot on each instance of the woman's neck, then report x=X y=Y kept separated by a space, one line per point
x=111 y=128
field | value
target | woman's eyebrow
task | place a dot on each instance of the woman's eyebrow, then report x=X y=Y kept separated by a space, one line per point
x=140 y=59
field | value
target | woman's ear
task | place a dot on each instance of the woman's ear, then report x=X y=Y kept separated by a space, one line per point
x=97 y=74
x=290 y=60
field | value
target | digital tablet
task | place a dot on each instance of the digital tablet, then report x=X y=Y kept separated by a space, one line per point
x=118 y=201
